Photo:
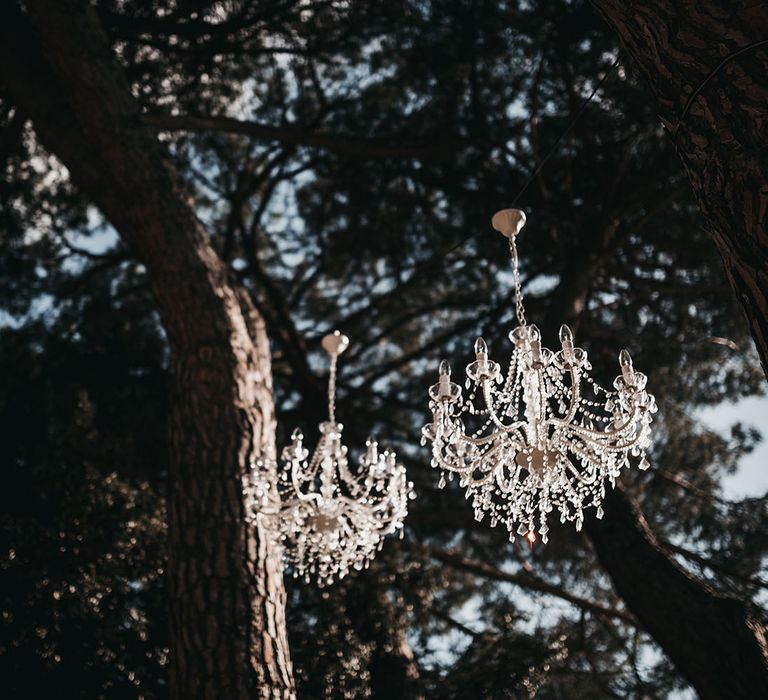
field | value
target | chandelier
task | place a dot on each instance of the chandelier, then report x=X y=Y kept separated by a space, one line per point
x=545 y=436
x=333 y=518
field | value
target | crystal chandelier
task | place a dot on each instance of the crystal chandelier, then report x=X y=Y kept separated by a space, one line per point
x=332 y=518
x=545 y=435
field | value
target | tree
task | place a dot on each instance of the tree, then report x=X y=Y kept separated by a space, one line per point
x=449 y=118
x=706 y=63
x=227 y=598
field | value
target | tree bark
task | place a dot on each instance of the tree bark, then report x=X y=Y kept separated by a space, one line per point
x=717 y=643
x=228 y=635
x=686 y=51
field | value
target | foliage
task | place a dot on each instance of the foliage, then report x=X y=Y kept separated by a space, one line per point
x=452 y=107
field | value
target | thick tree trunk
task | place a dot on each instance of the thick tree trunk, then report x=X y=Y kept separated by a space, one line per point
x=227 y=597
x=718 y=644
x=686 y=50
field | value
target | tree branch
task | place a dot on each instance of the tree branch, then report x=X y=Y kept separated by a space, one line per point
x=291 y=135
x=528 y=581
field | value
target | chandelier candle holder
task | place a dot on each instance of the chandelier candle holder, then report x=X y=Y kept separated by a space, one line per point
x=545 y=435
x=333 y=519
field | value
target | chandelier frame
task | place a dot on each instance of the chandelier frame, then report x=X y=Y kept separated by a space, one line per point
x=549 y=436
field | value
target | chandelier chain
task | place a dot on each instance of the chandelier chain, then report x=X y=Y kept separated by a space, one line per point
x=332 y=390
x=519 y=308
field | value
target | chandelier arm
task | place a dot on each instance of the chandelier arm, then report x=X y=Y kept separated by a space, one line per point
x=477 y=442
x=623 y=447
x=298 y=484
x=515 y=434
x=506 y=427
x=509 y=485
x=355 y=484
x=575 y=395
x=632 y=418
x=379 y=503
x=309 y=497
x=443 y=462
x=465 y=475
x=471 y=481
x=596 y=435
x=388 y=525
x=447 y=465
x=610 y=446
x=492 y=451
x=580 y=475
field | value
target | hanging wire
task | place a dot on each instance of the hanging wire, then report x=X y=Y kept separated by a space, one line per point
x=539 y=167
x=442 y=256
x=711 y=75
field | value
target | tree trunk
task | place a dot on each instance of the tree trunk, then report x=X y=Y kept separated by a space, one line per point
x=717 y=643
x=377 y=621
x=227 y=597
x=686 y=50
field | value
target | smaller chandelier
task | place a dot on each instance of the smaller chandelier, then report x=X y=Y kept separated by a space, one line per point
x=332 y=518
x=545 y=436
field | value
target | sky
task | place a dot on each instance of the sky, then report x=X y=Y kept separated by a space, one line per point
x=751 y=478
